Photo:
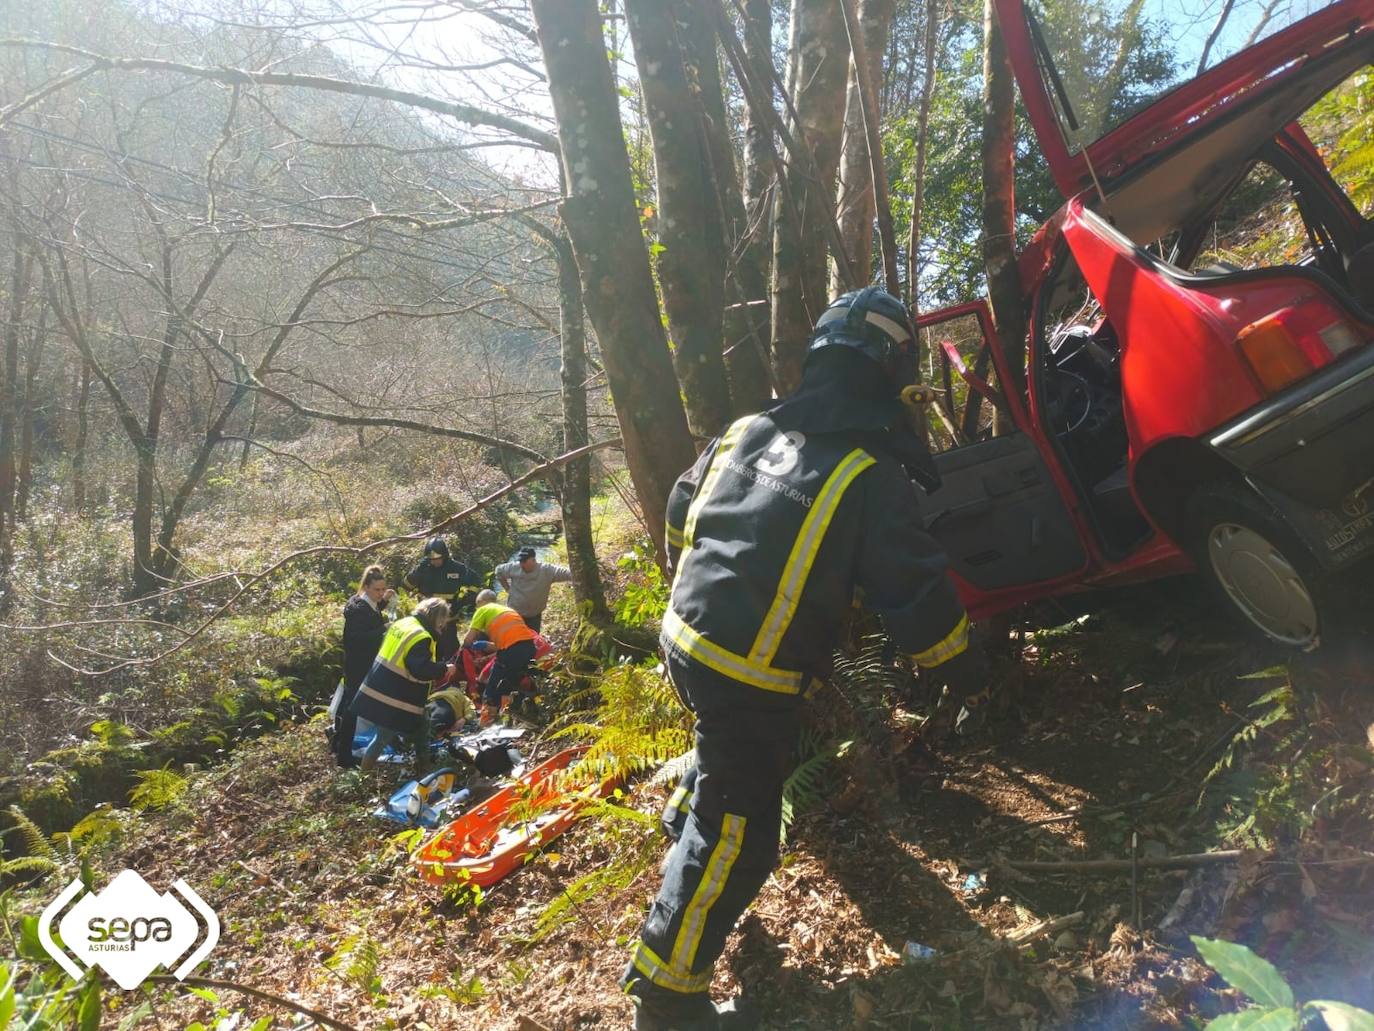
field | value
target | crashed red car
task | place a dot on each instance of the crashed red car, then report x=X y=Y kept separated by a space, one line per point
x=1178 y=412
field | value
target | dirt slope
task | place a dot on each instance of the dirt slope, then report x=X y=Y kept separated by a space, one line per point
x=1107 y=729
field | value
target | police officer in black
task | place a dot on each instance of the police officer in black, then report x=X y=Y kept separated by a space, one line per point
x=770 y=534
x=440 y=576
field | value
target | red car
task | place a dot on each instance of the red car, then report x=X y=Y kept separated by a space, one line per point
x=1178 y=411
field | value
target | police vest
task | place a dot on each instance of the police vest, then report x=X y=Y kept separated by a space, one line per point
x=390 y=695
x=765 y=578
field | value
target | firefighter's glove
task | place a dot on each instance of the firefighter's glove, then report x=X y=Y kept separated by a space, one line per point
x=962 y=705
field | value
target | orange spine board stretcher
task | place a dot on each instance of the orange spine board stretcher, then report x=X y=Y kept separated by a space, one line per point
x=477 y=848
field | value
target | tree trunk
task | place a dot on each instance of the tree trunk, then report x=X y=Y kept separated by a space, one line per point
x=33 y=360
x=999 y=200
x=817 y=69
x=576 y=495
x=83 y=405
x=603 y=225
x=145 y=482
x=9 y=393
x=746 y=319
x=918 y=186
x=758 y=133
x=690 y=270
x=856 y=203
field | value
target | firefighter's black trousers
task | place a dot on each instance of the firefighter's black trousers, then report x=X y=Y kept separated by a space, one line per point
x=727 y=831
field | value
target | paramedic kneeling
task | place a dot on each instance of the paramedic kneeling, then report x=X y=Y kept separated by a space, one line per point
x=514 y=642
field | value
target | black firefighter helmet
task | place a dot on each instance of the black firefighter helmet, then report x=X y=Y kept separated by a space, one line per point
x=877 y=325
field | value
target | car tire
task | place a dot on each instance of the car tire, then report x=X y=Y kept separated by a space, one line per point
x=1258 y=567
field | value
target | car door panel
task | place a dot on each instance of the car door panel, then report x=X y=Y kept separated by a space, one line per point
x=1000 y=516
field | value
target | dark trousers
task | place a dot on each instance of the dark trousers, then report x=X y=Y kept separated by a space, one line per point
x=345 y=726
x=534 y=622
x=727 y=837
x=511 y=664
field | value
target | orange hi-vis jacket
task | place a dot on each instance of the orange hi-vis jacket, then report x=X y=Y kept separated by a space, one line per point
x=502 y=625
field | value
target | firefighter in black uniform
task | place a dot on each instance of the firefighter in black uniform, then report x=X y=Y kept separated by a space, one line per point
x=769 y=535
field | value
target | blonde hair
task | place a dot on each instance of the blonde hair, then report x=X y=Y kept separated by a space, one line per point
x=485 y=596
x=370 y=576
x=433 y=611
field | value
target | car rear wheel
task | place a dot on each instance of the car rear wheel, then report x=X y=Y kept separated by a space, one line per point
x=1258 y=566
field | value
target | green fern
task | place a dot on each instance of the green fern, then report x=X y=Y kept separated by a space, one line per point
x=805 y=786
x=634 y=721
x=356 y=961
x=157 y=789
x=36 y=843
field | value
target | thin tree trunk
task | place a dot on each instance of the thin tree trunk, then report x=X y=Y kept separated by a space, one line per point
x=856 y=203
x=83 y=405
x=918 y=186
x=33 y=360
x=758 y=133
x=999 y=199
x=746 y=327
x=690 y=271
x=817 y=69
x=603 y=225
x=253 y=432
x=576 y=494
x=20 y=274
x=867 y=31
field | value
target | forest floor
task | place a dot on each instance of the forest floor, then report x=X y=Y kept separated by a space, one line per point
x=1109 y=727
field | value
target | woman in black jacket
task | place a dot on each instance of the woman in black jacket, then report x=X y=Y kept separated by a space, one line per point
x=364 y=626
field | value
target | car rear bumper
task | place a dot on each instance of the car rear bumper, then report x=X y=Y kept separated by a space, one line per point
x=1310 y=450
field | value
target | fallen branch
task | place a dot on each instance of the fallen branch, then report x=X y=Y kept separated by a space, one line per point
x=1044 y=928
x=1184 y=862
x=1019 y=938
x=213 y=982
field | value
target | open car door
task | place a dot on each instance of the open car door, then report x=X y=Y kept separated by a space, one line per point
x=1000 y=512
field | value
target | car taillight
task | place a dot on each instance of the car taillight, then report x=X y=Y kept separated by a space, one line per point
x=1293 y=342
x=1273 y=355
x=1340 y=337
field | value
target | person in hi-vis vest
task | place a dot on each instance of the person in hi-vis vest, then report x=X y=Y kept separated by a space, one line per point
x=395 y=689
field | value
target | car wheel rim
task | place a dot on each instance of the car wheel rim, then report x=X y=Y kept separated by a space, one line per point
x=1263 y=584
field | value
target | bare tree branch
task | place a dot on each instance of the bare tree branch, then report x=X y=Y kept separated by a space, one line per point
x=463 y=113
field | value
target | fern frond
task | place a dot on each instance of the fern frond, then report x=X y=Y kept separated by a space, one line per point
x=805 y=786
x=26 y=866
x=36 y=843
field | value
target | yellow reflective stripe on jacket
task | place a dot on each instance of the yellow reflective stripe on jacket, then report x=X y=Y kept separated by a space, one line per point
x=803 y=556
x=736 y=667
x=954 y=642
x=712 y=883
x=647 y=962
x=395 y=703
x=400 y=637
x=673 y=536
x=708 y=482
